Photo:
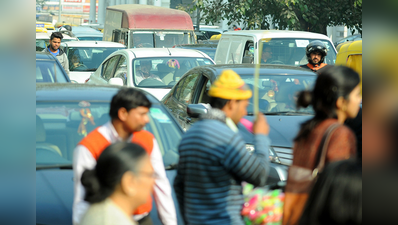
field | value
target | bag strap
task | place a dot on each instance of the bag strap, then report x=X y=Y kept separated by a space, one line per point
x=323 y=147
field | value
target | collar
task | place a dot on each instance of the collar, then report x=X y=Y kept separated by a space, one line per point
x=114 y=136
x=231 y=124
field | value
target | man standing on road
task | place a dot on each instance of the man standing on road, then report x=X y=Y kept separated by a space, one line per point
x=316 y=52
x=129 y=114
x=214 y=160
x=53 y=48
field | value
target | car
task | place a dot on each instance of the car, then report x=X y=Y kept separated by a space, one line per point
x=88 y=56
x=354 y=37
x=60 y=116
x=60 y=125
x=209 y=49
x=165 y=66
x=287 y=47
x=278 y=86
x=49 y=70
x=43 y=40
x=84 y=33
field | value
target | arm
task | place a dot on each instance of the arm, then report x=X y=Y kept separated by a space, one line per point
x=82 y=160
x=252 y=168
x=66 y=66
x=162 y=190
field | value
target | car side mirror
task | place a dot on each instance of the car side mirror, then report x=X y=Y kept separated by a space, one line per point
x=116 y=81
x=195 y=110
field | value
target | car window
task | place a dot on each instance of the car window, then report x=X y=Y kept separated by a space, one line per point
x=42 y=44
x=109 y=67
x=121 y=69
x=88 y=59
x=48 y=71
x=291 y=51
x=204 y=97
x=60 y=126
x=187 y=89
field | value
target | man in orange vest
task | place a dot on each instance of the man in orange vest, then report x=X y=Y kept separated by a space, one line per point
x=129 y=115
x=316 y=52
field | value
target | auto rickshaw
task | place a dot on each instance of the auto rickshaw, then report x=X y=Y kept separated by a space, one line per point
x=350 y=54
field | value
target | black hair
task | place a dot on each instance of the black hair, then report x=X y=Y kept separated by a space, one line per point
x=56 y=35
x=112 y=164
x=218 y=103
x=333 y=82
x=128 y=98
x=336 y=197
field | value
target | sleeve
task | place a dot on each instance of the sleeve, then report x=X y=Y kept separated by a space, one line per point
x=82 y=160
x=66 y=66
x=162 y=190
x=250 y=167
x=342 y=145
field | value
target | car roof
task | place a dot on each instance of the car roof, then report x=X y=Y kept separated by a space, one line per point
x=42 y=36
x=197 y=45
x=164 y=52
x=80 y=92
x=215 y=70
x=276 y=34
x=87 y=34
x=109 y=44
x=45 y=56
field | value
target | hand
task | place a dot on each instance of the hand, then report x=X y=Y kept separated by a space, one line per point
x=260 y=125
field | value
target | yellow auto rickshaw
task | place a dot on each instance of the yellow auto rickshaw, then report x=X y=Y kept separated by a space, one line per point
x=350 y=54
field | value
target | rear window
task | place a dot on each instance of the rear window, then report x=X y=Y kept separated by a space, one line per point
x=48 y=71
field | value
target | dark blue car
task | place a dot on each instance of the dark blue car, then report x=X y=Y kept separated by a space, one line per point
x=58 y=118
x=49 y=70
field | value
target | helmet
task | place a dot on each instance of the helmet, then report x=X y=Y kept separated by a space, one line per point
x=316 y=46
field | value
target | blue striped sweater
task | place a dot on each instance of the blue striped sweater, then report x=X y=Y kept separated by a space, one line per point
x=213 y=163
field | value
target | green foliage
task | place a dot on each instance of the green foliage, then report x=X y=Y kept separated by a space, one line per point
x=307 y=15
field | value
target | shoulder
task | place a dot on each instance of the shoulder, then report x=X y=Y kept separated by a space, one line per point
x=210 y=128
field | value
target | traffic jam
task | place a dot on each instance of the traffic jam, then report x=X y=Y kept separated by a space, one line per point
x=149 y=119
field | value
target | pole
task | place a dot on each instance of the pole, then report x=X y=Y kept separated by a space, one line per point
x=197 y=15
x=157 y=3
x=118 y=2
x=101 y=12
x=92 y=12
x=143 y=2
x=59 y=12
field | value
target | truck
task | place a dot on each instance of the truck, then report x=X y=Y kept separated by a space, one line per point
x=136 y=26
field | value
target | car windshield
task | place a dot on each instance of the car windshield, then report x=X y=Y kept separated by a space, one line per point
x=88 y=58
x=61 y=125
x=48 y=71
x=278 y=94
x=165 y=71
x=90 y=38
x=41 y=44
x=160 y=39
x=291 y=51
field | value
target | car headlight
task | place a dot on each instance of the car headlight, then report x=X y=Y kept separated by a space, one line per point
x=273 y=157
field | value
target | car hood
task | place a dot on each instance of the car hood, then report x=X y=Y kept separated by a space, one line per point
x=159 y=93
x=79 y=76
x=283 y=129
x=54 y=196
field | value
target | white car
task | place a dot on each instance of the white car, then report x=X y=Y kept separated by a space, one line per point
x=86 y=56
x=155 y=70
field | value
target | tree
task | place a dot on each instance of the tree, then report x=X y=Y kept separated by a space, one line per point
x=306 y=15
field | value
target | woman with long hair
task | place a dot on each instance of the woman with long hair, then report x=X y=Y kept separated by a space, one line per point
x=121 y=181
x=334 y=98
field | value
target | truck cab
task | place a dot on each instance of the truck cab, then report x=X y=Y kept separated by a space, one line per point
x=284 y=47
x=147 y=26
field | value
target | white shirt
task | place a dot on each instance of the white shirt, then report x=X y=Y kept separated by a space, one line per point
x=83 y=159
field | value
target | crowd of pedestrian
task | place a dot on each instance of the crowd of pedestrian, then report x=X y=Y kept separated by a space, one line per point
x=118 y=165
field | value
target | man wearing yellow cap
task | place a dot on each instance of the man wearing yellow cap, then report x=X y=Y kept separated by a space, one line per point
x=214 y=160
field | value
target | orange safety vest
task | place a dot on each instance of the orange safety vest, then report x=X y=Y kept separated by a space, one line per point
x=316 y=67
x=95 y=142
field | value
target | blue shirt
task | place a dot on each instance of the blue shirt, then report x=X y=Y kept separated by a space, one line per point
x=54 y=54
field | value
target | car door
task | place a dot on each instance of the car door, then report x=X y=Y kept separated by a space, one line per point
x=109 y=68
x=182 y=97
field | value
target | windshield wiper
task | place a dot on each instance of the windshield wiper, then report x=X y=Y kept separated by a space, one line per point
x=172 y=166
x=288 y=113
x=60 y=166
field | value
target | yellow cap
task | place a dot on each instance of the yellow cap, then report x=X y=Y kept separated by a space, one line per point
x=229 y=85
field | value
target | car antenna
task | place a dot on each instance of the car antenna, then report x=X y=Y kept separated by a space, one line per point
x=169 y=51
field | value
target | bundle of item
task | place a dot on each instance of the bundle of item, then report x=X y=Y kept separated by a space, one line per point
x=263 y=206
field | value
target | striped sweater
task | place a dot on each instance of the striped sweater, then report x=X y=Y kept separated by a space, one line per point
x=213 y=163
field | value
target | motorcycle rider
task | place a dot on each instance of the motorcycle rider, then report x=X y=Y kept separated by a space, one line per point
x=316 y=52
